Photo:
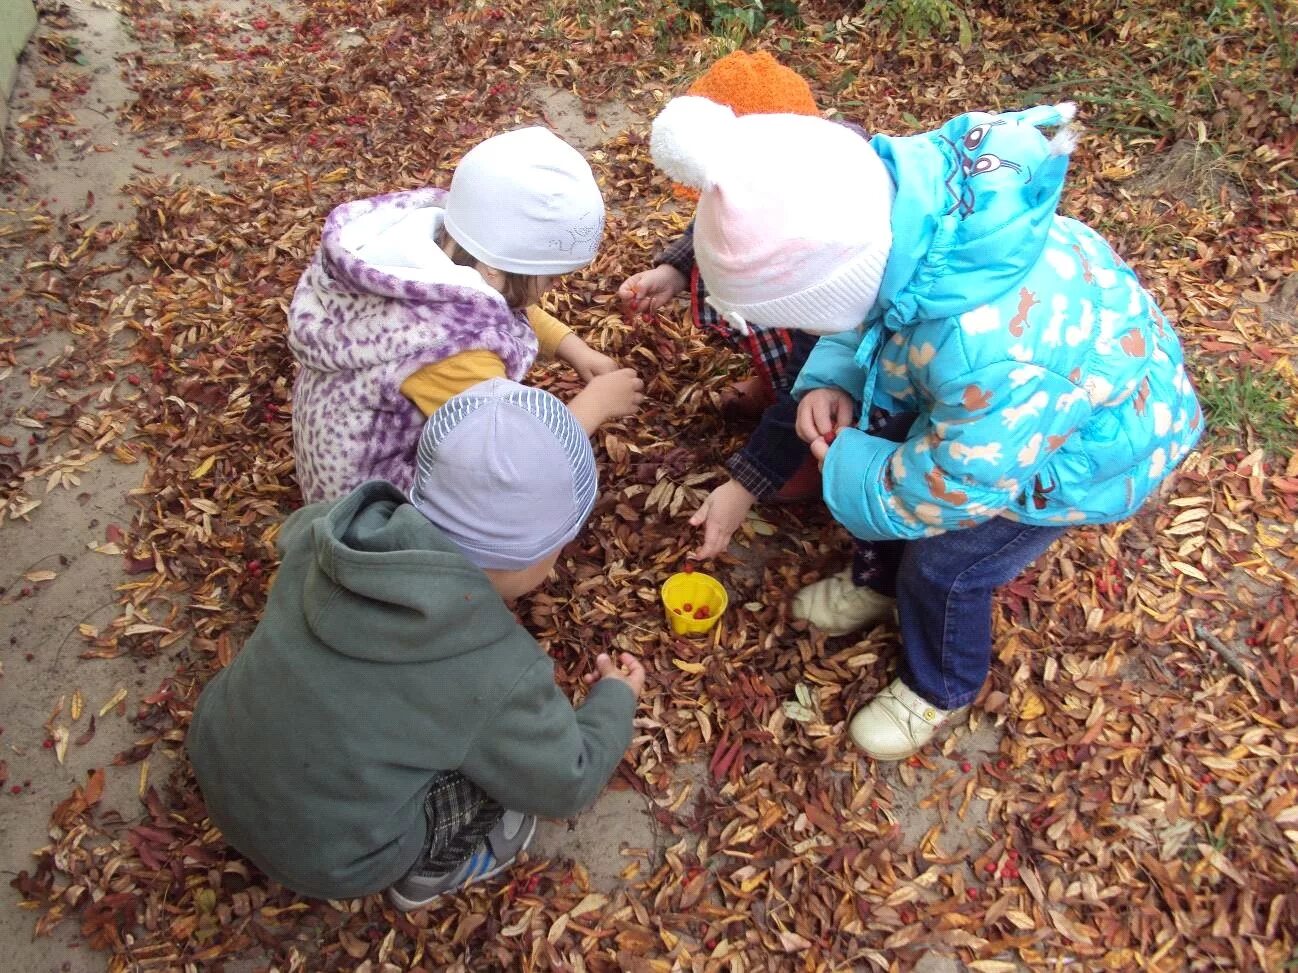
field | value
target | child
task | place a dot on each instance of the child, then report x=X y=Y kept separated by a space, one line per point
x=774 y=463
x=389 y=724
x=1044 y=386
x=416 y=296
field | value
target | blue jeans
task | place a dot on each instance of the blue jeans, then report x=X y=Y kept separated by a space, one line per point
x=944 y=588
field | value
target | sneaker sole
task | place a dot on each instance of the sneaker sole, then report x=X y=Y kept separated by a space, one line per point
x=410 y=905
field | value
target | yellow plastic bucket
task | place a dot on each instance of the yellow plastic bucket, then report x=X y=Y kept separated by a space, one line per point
x=694 y=602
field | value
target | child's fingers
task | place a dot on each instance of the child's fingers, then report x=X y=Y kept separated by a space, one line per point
x=701 y=515
x=713 y=542
x=604 y=664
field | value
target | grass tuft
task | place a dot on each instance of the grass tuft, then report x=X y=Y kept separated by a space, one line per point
x=1257 y=406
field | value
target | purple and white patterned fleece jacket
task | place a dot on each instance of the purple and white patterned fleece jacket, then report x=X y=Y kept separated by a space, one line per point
x=379 y=301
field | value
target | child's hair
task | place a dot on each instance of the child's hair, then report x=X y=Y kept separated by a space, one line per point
x=516 y=289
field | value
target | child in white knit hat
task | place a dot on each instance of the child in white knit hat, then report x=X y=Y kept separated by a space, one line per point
x=415 y=296
x=1030 y=381
x=389 y=723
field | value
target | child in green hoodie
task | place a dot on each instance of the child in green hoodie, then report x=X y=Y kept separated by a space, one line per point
x=389 y=723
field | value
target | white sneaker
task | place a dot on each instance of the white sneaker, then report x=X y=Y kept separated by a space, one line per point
x=836 y=606
x=897 y=723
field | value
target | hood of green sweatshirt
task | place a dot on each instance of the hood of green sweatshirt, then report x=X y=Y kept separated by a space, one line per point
x=376 y=560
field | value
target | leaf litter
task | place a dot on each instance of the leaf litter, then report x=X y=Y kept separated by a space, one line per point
x=1140 y=808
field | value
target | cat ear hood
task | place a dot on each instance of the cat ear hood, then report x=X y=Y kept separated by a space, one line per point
x=793 y=226
x=976 y=201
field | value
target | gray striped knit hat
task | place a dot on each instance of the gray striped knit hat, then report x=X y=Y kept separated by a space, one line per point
x=506 y=472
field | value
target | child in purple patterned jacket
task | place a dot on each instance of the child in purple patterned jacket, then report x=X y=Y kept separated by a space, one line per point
x=416 y=296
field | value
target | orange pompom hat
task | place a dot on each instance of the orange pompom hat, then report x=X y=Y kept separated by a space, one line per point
x=752 y=84
x=755 y=84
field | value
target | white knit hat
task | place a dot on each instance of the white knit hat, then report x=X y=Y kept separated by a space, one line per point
x=793 y=226
x=526 y=202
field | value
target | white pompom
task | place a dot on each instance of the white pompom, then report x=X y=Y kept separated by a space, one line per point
x=1064 y=142
x=689 y=137
x=1067 y=110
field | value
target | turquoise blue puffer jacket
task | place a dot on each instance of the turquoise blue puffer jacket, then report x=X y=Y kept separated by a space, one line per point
x=1049 y=387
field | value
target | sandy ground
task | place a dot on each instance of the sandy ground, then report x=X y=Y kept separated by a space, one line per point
x=38 y=621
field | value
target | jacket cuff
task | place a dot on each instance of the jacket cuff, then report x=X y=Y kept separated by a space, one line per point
x=680 y=253
x=752 y=476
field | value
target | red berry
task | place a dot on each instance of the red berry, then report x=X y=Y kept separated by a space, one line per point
x=47 y=744
x=829 y=438
x=703 y=611
x=989 y=867
x=971 y=893
x=689 y=567
x=15 y=789
x=966 y=766
x=688 y=607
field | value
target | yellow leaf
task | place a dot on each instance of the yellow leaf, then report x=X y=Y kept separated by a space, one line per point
x=590 y=903
x=40 y=575
x=117 y=698
x=688 y=666
x=1031 y=706
x=1189 y=571
x=78 y=704
x=142 y=628
x=144 y=779
x=203 y=467
x=60 y=742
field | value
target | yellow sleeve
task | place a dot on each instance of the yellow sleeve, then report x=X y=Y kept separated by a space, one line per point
x=549 y=330
x=432 y=385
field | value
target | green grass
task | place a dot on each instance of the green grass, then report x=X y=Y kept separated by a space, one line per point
x=1257 y=406
x=1168 y=72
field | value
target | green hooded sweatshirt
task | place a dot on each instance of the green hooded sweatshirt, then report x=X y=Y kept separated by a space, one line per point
x=384 y=657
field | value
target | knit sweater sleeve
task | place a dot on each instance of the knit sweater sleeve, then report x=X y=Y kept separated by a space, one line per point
x=539 y=755
x=432 y=385
x=550 y=331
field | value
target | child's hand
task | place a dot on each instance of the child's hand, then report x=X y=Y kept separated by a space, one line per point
x=647 y=291
x=613 y=394
x=585 y=360
x=633 y=676
x=720 y=516
x=824 y=411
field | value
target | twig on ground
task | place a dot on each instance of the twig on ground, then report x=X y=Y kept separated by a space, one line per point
x=1226 y=652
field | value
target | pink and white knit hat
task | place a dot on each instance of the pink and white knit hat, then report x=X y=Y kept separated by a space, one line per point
x=793 y=224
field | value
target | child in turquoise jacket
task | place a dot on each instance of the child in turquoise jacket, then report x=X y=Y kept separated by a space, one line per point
x=1028 y=381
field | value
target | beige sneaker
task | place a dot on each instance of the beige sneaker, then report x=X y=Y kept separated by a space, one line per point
x=836 y=606
x=897 y=723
